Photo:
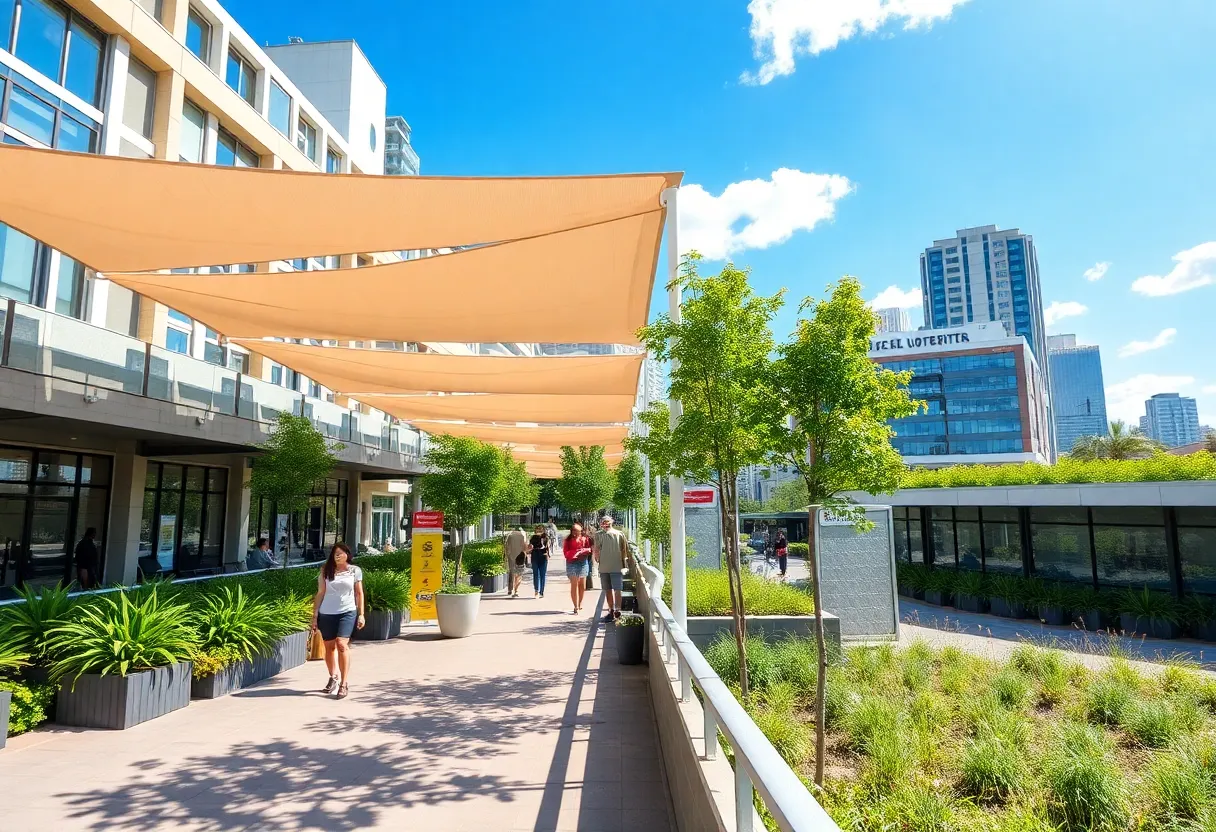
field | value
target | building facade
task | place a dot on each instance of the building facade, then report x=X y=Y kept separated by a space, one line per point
x=893 y=319
x=1171 y=419
x=123 y=415
x=985 y=274
x=1078 y=393
x=400 y=158
x=985 y=399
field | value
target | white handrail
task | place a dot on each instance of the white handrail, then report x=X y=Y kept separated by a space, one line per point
x=757 y=763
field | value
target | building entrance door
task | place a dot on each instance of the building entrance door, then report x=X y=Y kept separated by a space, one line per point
x=50 y=542
x=12 y=546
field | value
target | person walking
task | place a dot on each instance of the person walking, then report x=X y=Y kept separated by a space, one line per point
x=517 y=559
x=611 y=549
x=538 y=548
x=577 y=550
x=555 y=537
x=86 y=559
x=337 y=611
x=783 y=551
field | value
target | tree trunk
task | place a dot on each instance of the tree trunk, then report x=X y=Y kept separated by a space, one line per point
x=735 y=579
x=821 y=677
x=459 y=536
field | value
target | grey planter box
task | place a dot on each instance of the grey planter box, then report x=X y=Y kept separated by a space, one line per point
x=6 y=701
x=122 y=701
x=380 y=625
x=941 y=599
x=290 y=651
x=1053 y=616
x=704 y=629
x=1008 y=609
x=1090 y=620
x=1205 y=631
x=489 y=583
x=1148 y=626
x=629 y=641
x=971 y=603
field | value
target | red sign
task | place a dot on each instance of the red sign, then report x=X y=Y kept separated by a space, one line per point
x=700 y=496
x=428 y=519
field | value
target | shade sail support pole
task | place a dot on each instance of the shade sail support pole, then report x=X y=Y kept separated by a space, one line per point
x=675 y=483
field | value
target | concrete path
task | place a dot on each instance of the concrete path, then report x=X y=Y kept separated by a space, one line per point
x=531 y=724
x=997 y=637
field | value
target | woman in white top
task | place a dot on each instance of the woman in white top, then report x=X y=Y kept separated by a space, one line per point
x=337 y=610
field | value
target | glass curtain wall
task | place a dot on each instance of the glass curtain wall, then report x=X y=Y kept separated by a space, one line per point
x=1197 y=549
x=182 y=530
x=306 y=535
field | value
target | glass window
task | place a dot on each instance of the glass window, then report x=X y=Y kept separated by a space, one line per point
x=152 y=7
x=95 y=470
x=241 y=76
x=6 y=23
x=16 y=465
x=213 y=353
x=91 y=514
x=1002 y=540
x=1130 y=515
x=238 y=361
x=139 y=102
x=76 y=137
x=177 y=341
x=171 y=478
x=1197 y=548
x=56 y=467
x=280 y=109
x=1196 y=516
x=229 y=151
x=1061 y=552
x=306 y=139
x=31 y=115
x=69 y=289
x=83 y=74
x=333 y=162
x=194 y=126
x=213 y=533
x=42 y=30
x=1131 y=555
x=916 y=546
x=18 y=258
x=942 y=526
x=198 y=35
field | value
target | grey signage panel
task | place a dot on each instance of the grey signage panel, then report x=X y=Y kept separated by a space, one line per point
x=857 y=574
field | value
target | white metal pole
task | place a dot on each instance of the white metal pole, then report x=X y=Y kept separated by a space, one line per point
x=658 y=506
x=675 y=484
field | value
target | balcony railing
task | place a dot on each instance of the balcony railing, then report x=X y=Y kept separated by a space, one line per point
x=42 y=342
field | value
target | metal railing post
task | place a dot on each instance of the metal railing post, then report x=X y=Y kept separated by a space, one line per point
x=685 y=680
x=744 y=810
x=711 y=732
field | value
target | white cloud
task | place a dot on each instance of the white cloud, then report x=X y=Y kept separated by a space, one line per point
x=1209 y=388
x=1126 y=399
x=1097 y=271
x=1194 y=267
x=783 y=29
x=1059 y=310
x=1161 y=339
x=773 y=209
x=893 y=296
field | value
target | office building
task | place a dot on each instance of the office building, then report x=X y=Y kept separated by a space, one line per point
x=893 y=319
x=400 y=159
x=985 y=274
x=145 y=419
x=985 y=396
x=1171 y=419
x=1078 y=394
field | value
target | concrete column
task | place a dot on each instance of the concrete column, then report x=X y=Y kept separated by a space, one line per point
x=219 y=49
x=167 y=116
x=119 y=57
x=126 y=512
x=97 y=300
x=236 y=512
x=398 y=512
x=52 y=280
x=354 y=508
x=198 y=340
x=173 y=17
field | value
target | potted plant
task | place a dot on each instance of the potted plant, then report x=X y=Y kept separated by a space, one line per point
x=1089 y=608
x=486 y=565
x=457 y=606
x=1199 y=613
x=12 y=658
x=1051 y=600
x=630 y=638
x=1007 y=596
x=28 y=624
x=970 y=592
x=918 y=580
x=124 y=659
x=386 y=596
x=939 y=588
x=239 y=640
x=1149 y=613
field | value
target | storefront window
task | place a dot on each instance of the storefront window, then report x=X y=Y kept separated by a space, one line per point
x=182 y=530
x=1130 y=547
x=1197 y=548
x=306 y=535
x=942 y=523
x=1002 y=540
x=1060 y=544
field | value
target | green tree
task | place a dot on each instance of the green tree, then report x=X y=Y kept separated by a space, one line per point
x=655 y=524
x=720 y=353
x=1122 y=442
x=294 y=456
x=586 y=484
x=750 y=506
x=463 y=476
x=516 y=488
x=838 y=438
x=788 y=496
x=630 y=484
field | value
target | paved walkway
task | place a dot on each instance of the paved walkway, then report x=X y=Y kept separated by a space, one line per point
x=531 y=724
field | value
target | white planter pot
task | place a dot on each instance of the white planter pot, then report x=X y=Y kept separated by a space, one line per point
x=457 y=613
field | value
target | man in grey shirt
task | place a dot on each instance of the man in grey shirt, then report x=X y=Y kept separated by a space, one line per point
x=516 y=545
x=611 y=550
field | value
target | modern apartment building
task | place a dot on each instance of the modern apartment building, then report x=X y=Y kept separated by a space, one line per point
x=893 y=319
x=985 y=396
x=400 y=159
x=1171 y=419
x=124 y=415
x=1078 y=394
x=985 y=274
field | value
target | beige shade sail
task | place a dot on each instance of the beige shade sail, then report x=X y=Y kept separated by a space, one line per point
x=355 y=371
x=145 y=214
x=613 y=458
x=509 y=292
x=553 y=436
x=542 y=471
x=506 y=407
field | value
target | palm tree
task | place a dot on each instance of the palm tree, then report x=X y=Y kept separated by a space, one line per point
x=1122 y=442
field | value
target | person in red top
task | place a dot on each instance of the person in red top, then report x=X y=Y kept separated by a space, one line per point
x=577 y=550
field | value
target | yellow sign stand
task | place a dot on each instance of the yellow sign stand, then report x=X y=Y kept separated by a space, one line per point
x=427 y=566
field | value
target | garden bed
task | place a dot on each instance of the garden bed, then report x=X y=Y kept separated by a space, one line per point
x=288 y=652
x=120 y=702
x=703 y=630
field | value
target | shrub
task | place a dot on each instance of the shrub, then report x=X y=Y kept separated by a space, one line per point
x=709 y=594
x=1008 y=587
x=286 y=583
x=398 y=560
x=1152 y=724
x=1147 y=605
x=1159 y=468
x=1085 y=789
x=775 y=716
x=30 y=707
x=985 y=716
x=241 y=625
x=764 y=669
x=485 y=558
x=1108 y=700
x=873 y=719
x=991 y=768
x=386 y=591
x=1179 y=787
x=971 y=583
x=801 y=550
x=28 y=625
x=213 y=660
x=1011 y=688
x=12 y=656
x=121 y=634
x=797 y=661
x=914 y=808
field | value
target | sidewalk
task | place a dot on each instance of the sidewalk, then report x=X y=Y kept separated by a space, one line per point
x=531 y=724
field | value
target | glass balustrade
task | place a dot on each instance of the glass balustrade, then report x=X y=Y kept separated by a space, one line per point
x=264 y=401
x=66 y=348
x=330 y=419
x=177 y=378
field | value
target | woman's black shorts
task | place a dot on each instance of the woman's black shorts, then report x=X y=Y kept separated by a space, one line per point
x=336 y=625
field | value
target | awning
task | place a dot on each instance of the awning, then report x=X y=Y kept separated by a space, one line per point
x=355 y=371
x=144 y=214
x=553 y=436
x=613 y=458
x=506 y=407
x=522 y=291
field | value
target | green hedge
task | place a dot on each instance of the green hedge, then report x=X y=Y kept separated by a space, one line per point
x=802 y=550
x=31 y=705
x=1159 y=468
x=709 y=594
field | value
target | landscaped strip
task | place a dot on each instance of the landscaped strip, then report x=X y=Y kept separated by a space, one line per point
x=1160 y=467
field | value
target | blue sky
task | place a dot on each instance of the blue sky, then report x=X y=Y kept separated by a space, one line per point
x=1090 y=124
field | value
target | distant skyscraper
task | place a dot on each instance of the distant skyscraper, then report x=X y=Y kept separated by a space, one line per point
x=1078 y=395
x=400 y=159
x=1171 y=419
x=893 y=319
x=985 y=274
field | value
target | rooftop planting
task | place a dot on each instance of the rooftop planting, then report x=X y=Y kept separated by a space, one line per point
x=1157 y=468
